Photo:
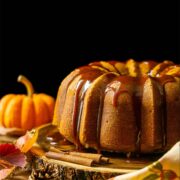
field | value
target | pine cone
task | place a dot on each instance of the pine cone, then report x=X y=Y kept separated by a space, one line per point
x=43 y=170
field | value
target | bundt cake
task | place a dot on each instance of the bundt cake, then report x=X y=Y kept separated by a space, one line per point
x=121 y=106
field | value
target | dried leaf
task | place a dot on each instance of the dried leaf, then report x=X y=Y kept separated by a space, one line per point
x=25 y=143
x=45 y=136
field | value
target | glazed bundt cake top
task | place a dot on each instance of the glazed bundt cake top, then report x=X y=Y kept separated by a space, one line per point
x=89 y=102
x=128 y=72
x=136 y=69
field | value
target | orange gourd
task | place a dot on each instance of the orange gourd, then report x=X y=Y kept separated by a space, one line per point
x=26 y=111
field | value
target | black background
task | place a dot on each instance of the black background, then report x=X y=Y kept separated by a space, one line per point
x=47 y=40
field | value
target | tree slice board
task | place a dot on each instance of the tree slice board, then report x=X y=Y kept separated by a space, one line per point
x=44 y=168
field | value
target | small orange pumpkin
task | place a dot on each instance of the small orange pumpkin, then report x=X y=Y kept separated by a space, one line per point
x=26 y=111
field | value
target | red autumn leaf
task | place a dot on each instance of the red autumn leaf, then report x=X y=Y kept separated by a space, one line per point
x=10 y=157
x=6 y=149
x=11 y=154
x=17 y=159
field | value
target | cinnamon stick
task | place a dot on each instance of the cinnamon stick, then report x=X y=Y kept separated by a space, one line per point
x=104 y=159
x=96 y=157
x=70 y=158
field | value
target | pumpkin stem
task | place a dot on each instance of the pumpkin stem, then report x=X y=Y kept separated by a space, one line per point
x=29 y=87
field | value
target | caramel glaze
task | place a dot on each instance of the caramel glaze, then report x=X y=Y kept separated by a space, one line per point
x=81 y=88
x=98 y=64
x=162 y=82
x=138 y=83
x=67 y=82
x=113 y=63
x=166 y=70
x=88 y=74
x=101 y=66
x=161 y=67
x=76 y=112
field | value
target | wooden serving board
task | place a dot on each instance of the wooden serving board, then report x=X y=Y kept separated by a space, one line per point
x=45 y=168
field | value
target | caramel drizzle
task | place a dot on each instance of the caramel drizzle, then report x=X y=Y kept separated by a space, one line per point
x=136 y=98
x=166 y=70
x=99 y=65
x=99 y=118
x=162 y=82
x=120 y=90
x=113 y=64
x=117 y=91
x=165 y=79
x=84 y=88
x=80 y=71
x=155 y=72
x=75 y=112
x=81 y=88
x=99 y=122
